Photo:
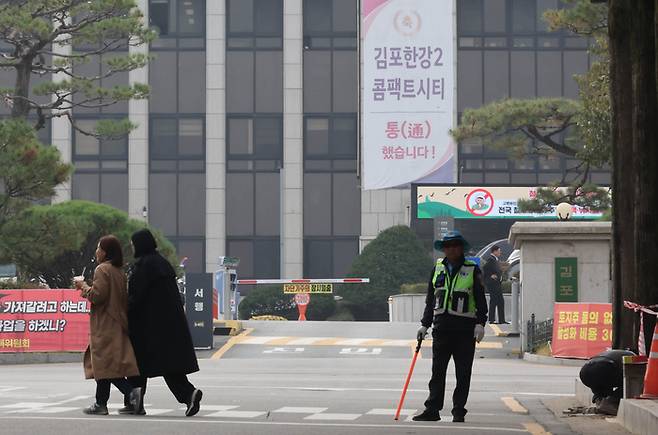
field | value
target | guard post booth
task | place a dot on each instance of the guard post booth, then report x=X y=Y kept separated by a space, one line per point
x=226 y=292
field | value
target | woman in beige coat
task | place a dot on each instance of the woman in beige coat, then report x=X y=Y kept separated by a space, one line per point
x=109 y=358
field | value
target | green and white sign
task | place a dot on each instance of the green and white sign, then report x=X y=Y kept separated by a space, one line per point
x=566 y=279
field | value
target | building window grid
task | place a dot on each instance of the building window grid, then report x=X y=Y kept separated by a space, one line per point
x=251 y=39
x=509 y=35
x=179 y=41
x=330 y=41
x=251 y=42
x=177 y=157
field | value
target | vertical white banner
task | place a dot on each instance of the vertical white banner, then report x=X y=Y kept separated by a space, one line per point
x=408 y=92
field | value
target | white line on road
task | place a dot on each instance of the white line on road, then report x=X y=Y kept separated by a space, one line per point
x=285 y=350
x=330 y=416
x=382 y=411
x=361 y=351
x=299 y=410
x=339 y=389
x=438 y=427
x=236 y=414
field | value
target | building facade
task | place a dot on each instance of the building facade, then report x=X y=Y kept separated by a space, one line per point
x=248 y=145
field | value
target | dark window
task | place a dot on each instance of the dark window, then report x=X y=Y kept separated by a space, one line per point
x=254 y=132
x=332 y=199
x=101 y=166
x=178 y=18
x=178 y=82
x=329 y=258
x=523 y=16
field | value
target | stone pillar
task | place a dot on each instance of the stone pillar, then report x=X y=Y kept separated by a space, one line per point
x=215 y=132
x=61 y=131
x=138 y=140
x=292 y=232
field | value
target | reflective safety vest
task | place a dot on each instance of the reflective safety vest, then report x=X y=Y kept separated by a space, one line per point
x=454 y=295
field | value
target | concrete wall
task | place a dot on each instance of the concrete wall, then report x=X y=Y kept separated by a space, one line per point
x=382 y=209
x=540 y=243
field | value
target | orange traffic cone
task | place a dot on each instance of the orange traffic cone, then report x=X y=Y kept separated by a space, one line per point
x=651 y=377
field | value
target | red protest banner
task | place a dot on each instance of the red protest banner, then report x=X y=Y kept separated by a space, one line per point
x=43 y=321
x=581 y=330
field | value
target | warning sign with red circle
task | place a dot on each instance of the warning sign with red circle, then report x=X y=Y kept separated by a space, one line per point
x=302 y=298
x=479 y=202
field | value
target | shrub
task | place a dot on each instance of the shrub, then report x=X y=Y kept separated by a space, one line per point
x=394 y=258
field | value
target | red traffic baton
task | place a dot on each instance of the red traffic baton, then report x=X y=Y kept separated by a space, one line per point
x=406 y=383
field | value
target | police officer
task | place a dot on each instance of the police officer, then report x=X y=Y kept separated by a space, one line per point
x=456 y=305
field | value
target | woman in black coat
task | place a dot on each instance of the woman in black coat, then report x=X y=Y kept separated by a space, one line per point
x=158 y=327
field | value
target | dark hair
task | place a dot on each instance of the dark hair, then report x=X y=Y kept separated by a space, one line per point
x=113 y=251
x=144 y=243
x=494 y=248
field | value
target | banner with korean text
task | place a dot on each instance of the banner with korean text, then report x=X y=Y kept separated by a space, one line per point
x=43 y=321
x=408 y=92
x=581 y=330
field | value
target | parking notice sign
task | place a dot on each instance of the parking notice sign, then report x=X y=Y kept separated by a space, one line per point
x=308 y=288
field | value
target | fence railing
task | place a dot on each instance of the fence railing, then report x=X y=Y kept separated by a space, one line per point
x=539 y=333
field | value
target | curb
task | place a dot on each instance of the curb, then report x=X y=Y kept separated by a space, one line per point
x=540 y=359
x=40 y=358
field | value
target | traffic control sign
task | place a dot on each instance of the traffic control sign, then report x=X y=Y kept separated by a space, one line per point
x=302 y=298
x=308 y=288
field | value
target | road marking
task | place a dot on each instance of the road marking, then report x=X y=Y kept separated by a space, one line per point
x=434 y=428
x=514 y=405
x=496 y=329
x=48 y=410
x=300 y=410
x=237 y=414
x=334 y=341
x=330 y=416
x=361 y=351
x=230 y=343
x=305 y=340
x=213 y=407
x=535 y=429
x=285 y=350
x=384 y=411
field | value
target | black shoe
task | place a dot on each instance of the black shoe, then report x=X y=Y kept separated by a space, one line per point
x=195 y=403
x=458 y=419
x=128 y=409
x=427 y=415
x=136 y=402
x=504 y=323
x=96 y=409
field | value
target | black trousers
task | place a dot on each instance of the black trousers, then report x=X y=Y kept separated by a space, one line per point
x=496 y=301
x=461 y=347
x=178 y=384
x=103 y=389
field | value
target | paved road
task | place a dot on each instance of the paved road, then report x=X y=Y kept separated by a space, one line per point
x=252 y=388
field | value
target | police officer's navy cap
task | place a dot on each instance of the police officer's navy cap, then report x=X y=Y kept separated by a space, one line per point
x=451 y=236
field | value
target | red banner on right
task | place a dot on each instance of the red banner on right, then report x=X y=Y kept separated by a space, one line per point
x=581 y=330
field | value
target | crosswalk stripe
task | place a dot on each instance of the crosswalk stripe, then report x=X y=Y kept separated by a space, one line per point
x=236 y=414
x=328 y=416
x=300 y=410
x=383 y=411
x=341 y=341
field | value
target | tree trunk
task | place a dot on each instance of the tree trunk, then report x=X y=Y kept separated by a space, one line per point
x=21 y=107
x=645 y=115
x=619 y=27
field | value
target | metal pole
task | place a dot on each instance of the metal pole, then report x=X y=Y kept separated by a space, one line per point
x=515 y=306
x=227 y=294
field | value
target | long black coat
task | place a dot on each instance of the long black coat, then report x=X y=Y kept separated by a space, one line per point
x=158 y=327
x=492 y=267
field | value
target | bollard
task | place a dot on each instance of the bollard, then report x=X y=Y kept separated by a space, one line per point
x=634 y=370
x=515 y=307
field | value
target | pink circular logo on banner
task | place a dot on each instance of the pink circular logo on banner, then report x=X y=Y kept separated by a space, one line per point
x=407 y=22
